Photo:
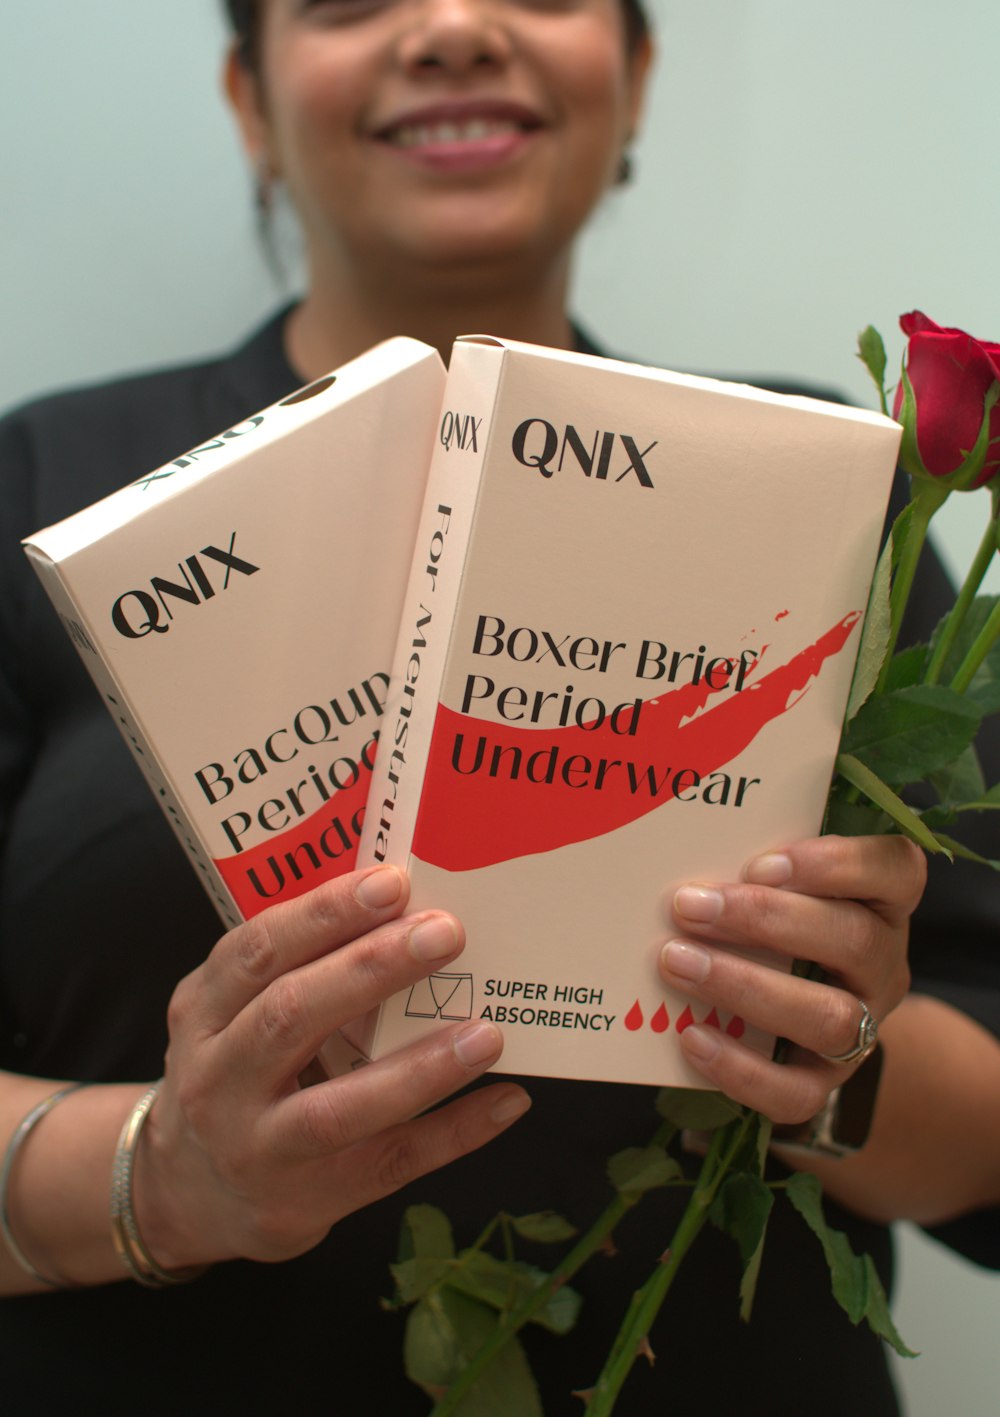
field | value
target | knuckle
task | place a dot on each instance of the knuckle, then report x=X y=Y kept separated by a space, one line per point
x=803 y=1103
x=283 y=1010
x=860 y=936
x=765 y=910
x=255 y=951
x=331 y=1119
x=399 y=1163
x=911 y=869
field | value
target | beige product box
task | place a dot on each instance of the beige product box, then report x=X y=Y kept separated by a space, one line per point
x=624 y=656
x=238 y=608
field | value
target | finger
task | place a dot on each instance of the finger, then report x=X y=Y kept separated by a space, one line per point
x=887 y=873
x=339 y=1114
x=249 y=958
x=281 y=1030
x=792 y=1091
x=819 y=1017
x=844 y=937
x=393 y=1159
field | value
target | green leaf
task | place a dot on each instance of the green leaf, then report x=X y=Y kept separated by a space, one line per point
x=544 y=1226
x=426 y=1249
x=426 y=1234
x=741 y=1209
x=973 y=622
x=505 y=1284
x=855 y=819
x=907 y=735
x=696 y=1109
x=907 y=667
x=958 y=848
x=871 y=352
x=854 y=1279
x=443 y=1334
x=905 y=818
x=874 y=634
x=960 y=781
x=638 y=1169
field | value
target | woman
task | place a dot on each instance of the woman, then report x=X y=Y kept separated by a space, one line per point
x=442 y=156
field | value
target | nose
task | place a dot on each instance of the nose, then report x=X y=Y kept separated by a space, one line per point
x=454 y=36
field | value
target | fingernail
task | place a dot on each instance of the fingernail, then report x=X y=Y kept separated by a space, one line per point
x=379 y=888
x=698 y=903
x=477 y=1043
x=773 y=869
x=433 y=939
x=686 y=961
x=509 y=1107
x=702 y=1043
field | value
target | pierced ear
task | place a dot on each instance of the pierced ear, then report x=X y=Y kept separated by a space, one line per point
x=242 y=89
x=640 y=61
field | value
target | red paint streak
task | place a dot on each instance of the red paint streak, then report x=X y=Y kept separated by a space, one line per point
x=314 y=848
x=660 y=1021
x=712 y=1020
x=781 y=615
x=469 y=819
x=736 y=1027
x=633 y=1019
x=686 y=1019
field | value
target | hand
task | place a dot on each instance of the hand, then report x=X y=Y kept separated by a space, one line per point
x=843 y=903
x=239 y=1159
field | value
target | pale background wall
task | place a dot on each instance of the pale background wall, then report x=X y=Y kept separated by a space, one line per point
x=806 y=168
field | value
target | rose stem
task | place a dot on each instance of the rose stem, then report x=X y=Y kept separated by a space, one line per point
x=585 y=1247
x=647 y=1301
x=974 y=579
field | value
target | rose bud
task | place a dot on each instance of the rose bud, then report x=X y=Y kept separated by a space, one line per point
x=948 y=402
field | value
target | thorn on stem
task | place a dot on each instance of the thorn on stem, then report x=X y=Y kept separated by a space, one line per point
x=608 y=1247
x=643 y=1350
x=584 y=1394
x=665 y=1257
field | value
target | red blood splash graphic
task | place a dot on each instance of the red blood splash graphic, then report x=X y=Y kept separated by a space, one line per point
x=660 y=1021
x=686 y=1020
x=493 y=792
x=712 y=1020
x=291 y=862
x=633 y=1019
x=735 y=1027
x=781 y=615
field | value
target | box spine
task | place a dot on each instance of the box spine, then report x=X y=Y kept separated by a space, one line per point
x=88 y=644
x=428 y=615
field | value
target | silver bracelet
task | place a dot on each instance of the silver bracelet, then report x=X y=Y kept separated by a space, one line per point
x=21 y=1133
x=128 y=1243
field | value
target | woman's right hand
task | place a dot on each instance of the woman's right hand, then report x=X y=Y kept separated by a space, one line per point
x=238 y=1158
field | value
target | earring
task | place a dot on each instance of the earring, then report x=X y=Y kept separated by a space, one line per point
x=625 y=170
x=263 y=188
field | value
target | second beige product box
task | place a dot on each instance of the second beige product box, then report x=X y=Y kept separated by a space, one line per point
x=632 y=618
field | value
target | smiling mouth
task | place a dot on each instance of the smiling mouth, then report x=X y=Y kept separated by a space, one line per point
x=448 y=132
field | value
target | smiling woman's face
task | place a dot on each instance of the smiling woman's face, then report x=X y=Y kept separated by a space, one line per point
x=441 y=131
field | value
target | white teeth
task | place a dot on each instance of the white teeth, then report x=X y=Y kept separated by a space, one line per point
x=470 y=130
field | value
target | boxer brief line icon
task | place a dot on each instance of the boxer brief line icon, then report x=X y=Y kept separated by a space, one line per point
x=445 y=996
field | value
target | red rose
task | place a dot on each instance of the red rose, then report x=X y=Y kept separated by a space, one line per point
x=955 y=381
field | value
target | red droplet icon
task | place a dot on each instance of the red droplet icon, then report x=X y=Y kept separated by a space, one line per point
x=660 y=1021
x=735 y=1027
x=686 y=1020
x=712 y=1020
x=633 y=1019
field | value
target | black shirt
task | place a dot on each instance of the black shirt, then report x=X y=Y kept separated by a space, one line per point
x=100 y=915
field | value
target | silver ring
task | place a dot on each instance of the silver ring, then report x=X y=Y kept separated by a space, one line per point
x=866 y=1040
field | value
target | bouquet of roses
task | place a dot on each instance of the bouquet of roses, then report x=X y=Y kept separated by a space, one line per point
x=907 y=763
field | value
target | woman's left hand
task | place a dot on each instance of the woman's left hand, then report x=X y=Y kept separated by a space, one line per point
x=843 y=903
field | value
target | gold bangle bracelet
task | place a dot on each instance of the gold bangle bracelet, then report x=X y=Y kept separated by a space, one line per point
x=21 y=1133
x=128 y=1243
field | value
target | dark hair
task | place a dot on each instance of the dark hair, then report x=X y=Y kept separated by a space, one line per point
x=244 y=19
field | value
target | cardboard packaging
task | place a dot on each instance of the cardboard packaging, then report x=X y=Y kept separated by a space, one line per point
x=238 y=607
x=624 y=657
